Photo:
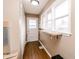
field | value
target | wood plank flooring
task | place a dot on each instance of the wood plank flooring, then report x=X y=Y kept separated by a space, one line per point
x=32 y=51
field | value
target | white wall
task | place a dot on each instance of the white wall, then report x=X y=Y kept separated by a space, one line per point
x=67 y=44
x=22 y=27
x=13 y=14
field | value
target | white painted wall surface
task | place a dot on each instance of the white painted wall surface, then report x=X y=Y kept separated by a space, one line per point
x=12 y=14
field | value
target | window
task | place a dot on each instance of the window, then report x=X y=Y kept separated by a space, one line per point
x=62 y=17
x=57 y=17
x=32 y=24
x=44 y=22
x=61 y=9
x=62 y=24
x=48 y=21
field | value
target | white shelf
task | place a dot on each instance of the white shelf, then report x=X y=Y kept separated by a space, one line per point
x=53 y=33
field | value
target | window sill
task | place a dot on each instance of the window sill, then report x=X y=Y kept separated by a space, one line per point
x=53 y=33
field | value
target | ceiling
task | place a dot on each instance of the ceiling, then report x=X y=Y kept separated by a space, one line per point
x=29 y=8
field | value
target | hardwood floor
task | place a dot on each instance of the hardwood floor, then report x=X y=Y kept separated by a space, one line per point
x=32 y=51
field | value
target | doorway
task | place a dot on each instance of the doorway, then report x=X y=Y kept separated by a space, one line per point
x=32 y=29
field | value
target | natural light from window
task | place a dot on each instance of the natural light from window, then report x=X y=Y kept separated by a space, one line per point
x=58 y=19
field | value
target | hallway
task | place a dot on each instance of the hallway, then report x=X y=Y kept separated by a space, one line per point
x=32 y=51
x=39 y=29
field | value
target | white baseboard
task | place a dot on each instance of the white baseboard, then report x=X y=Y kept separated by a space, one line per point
x=45 y=49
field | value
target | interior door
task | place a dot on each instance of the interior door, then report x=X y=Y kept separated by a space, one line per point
x=32 y=29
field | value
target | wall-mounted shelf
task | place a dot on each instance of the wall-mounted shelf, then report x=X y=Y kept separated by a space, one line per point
x=57 y=35
x=67 y=34
x=52 y=33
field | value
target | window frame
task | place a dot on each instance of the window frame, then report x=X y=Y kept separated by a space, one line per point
x=53 y=19
x=69 y=26
x=48 y=20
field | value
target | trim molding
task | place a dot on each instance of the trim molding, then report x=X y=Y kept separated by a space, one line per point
x=45 y=49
